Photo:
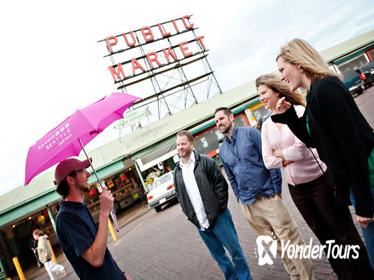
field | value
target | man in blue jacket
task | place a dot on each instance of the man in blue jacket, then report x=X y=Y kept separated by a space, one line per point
x=258 y=190
x=203 y=193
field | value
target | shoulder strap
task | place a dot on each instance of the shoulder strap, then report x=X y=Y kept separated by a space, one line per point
x=315 y=158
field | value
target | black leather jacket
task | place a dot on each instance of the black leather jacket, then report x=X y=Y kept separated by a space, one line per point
x=212 y=186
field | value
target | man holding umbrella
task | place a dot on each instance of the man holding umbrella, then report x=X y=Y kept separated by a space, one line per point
x=82 y=241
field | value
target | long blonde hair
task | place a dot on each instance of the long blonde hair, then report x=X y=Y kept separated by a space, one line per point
x=299 y=52
x=274 y=82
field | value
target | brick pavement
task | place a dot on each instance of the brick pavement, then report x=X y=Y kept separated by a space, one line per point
x=165 y=245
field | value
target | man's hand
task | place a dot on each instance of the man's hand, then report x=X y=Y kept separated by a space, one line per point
x=96 y=252
x=364 y=221
x=106 y=201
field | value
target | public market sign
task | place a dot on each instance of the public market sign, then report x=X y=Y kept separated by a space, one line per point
x=162 y=56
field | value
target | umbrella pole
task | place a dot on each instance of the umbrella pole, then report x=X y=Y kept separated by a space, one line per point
x=100 y=187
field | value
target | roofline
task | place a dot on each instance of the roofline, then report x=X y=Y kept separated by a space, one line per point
x=12 y=207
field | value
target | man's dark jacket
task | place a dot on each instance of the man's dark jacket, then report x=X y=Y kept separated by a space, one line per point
x=212 y=186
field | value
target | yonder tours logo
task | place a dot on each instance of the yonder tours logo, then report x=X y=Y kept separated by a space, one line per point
x=267 y=248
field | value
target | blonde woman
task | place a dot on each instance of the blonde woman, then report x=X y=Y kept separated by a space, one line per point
x=333 y=124
x=310 y=185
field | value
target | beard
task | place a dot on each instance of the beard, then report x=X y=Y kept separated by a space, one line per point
x=225 y=129
x=185 y=153
x=84 y=188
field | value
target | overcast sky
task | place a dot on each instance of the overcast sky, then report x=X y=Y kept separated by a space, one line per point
x=51 y=63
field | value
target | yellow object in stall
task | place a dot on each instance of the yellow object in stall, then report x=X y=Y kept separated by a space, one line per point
x=135 y=196
x=41 y=219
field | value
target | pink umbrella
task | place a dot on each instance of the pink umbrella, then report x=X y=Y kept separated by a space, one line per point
x=69 y=137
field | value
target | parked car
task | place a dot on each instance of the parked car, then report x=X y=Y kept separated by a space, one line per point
x=359 y=79
x=366 y=74
x=161 y=191
x=352 y=81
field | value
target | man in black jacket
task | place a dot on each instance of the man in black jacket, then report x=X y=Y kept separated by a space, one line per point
x=203 y=193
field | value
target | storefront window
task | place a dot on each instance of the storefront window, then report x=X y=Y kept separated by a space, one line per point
x=207 y=142
x=257 y=115
x=370 y=54
x=353 y=64
x=125 y=188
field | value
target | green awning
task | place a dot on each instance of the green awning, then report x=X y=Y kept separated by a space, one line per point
x=51 y=197
x=107 y=171
x=352 y=55
x=28 y=208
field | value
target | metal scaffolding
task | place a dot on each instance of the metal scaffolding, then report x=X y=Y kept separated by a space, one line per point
x=168 y=87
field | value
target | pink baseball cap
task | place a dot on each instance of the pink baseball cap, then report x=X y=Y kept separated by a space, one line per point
x=65 y=167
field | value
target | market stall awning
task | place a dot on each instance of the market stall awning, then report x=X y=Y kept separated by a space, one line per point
x=29 y=207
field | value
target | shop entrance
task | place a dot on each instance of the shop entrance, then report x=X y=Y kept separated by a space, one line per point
x=125 y=187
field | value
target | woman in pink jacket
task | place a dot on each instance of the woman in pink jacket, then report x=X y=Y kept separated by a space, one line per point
x=310 y=185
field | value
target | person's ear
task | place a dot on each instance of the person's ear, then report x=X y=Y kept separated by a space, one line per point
x=231 y=117
x=69 y=179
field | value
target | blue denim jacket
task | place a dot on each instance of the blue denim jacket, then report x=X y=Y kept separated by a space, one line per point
x=242 y=160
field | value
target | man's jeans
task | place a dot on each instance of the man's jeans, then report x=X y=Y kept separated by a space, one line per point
x=224 y=235
x=368 y=232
